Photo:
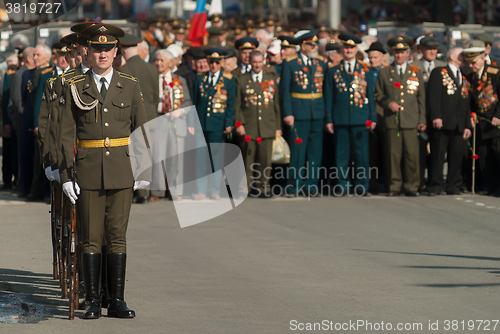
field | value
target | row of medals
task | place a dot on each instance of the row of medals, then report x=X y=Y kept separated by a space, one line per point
x=449 y=83
x=412 y=84
x=251 y=96
x=486 y=98
x=178 y=96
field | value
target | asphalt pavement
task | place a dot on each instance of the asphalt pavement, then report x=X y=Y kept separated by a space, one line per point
x=275 y=266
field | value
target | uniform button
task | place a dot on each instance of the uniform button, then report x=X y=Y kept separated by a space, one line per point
x=260 y=110
x=260 y=118
x=105 y=109
x=106 y=124
x=402 y=108
x=402 y=93
x=351 y=102
x=107 y=152
x=260 y=103
x=208 y=109
x=209 y=103
x=209 y=97
x=208 y=115
x=351 y=96
x=402 y=101
x=259 y=96
x=121 y=104
x=350 y=89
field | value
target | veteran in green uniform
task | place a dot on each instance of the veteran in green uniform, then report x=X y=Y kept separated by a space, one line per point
x=101 y=109
x=258 y=121
x=213 y=95
x=303 y=109
x=400 y=91
x=349 y=105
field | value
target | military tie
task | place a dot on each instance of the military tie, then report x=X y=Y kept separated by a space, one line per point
x=458 y=77
x=430 y=68
x=349 y=70
x=103 y=88
x=401 y=72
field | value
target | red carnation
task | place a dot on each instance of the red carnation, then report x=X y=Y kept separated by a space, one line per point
x=259 y=140
x=473 y=114
x=248 y=139
x=368 y=124
x=298 y=140
x=171 y=84
x=397 y=85
x=237 y=124
x=475 y=157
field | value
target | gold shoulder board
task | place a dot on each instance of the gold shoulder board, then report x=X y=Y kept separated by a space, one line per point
x=292 y=57
x=492 y=70
x=320 y=57
x=127 y=76
x=47 y=70
x=227 y=75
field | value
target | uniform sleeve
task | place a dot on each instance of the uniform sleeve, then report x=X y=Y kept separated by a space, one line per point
x=43 y=117
x=421 y=101
x=55 y=148
x=277 y=108
x=67 y=133
x=328 y=96
x=238 y=112
x=15 y=93
x=231 y=92
x=434 y=89
x=39 y=89
x=138 y=110
x=285 y=97
x=381 y=96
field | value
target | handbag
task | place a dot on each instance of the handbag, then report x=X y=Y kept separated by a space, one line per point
x=281 y=151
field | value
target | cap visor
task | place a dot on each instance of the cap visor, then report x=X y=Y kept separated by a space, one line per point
x=103 y=46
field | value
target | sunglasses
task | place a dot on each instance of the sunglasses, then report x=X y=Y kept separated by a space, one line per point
x=214 y=61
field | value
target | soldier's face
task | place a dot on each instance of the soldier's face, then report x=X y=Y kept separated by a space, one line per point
x=476 y=64
x=375 y=58
x=245 y=56
x=40 y=57
x=61 y=60
x=429 y=54
x=162 y=63
x=102 y=59
x=274 y=59
x=202 y=65
x=348 y=52
x=257 y=63
x=400 y=56
x=215 y=65
x=285 y=52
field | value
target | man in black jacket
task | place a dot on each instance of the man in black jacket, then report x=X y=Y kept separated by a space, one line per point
x=449 y=112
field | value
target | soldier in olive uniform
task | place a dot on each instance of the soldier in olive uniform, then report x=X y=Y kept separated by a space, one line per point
x=349 y=105
x=244 y=46
x=213 y=95
x=257 y=110
x=303 y=109
x=101 y=109
x=400 y=91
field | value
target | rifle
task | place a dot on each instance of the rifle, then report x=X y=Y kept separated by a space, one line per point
x=53 y=217
x=73 y=265
x=64 y=248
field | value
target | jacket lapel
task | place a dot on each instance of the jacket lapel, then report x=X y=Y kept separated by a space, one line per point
x=115 y=87
x=90 y=88
x=395 y=74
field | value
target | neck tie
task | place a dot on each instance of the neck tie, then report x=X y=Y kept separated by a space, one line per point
x=349 y=70
x=257 y=78
x=103 y=88
x=212 y=80
x=166 y=97
x=458 y=77
x=401 y=72
x=430 y=68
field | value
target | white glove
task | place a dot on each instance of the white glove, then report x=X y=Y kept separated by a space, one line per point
x=141 y=184
x=70 y=191
x=56 y=176
x=48 y=173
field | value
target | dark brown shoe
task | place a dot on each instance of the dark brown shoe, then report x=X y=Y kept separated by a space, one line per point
x=412 y=193
x=393 y=193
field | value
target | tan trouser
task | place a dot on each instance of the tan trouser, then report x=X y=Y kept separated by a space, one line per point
x=395 y=146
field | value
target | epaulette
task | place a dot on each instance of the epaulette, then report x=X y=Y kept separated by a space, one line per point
x=68 y=72
x=333 y=64
x=269 y=68
x=320 y=57
x=414 y=68
x=291 y=57
x=127 y=76
x=9 y=72
x=492 y=70
x=47 y=70
x=75 y=79
x=227 y=75
x=52 y=79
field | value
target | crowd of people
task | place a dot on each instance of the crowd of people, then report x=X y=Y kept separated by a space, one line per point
x=355 y=123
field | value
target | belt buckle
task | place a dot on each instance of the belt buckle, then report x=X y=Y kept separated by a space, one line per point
x=107 y=142
x=312 y=94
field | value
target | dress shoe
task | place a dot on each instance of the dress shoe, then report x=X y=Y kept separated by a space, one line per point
x=412 y=194
x=198 y=197
x=393 y=193
x=141 y=200
x=454 y=192
x=214 y=197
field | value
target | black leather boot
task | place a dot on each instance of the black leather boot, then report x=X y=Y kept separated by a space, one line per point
x=104 y=279
x=91 y=263
x=116 y=286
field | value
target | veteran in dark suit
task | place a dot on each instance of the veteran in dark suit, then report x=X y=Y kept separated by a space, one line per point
x=429 y=47
x=148 y=77
x=213 y=95
x=485 y=83
x=303 y=109
x=399 y=90
x=257 y=117
x=449 y=114
x=101 y=108
x=349 y=105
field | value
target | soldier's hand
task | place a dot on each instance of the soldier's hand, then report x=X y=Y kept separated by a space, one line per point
x=191 y=130
x=48 y=173
x=35 y=132
x=141 y=185
x=70 y=191
x=467 y=134
x=394 y=107
x=329 y=127
x=228 y=129
x=437 y=123
x=495 y=121
x=7 y=129
x=240 y=130
x=288 y=120
x=421 y=127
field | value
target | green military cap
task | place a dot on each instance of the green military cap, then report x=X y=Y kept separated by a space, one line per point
x=103 y=36
x=246 y=43
x=179 y=29
x=400 y=43
x=349 y=39
x=69 y=40
x=215 y=53
x=60 y=48
x=485 y=37
x=78 y=28
x=287 y=41
x=332 y=46
x=215 y=31
x=324 y=27
x=129 y=40
x=309 y=37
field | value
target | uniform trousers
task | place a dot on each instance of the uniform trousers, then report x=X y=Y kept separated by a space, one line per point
x=104 y=215
x=406 y=143
x=257 y=158
x=489 y=162
x=309 y=151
